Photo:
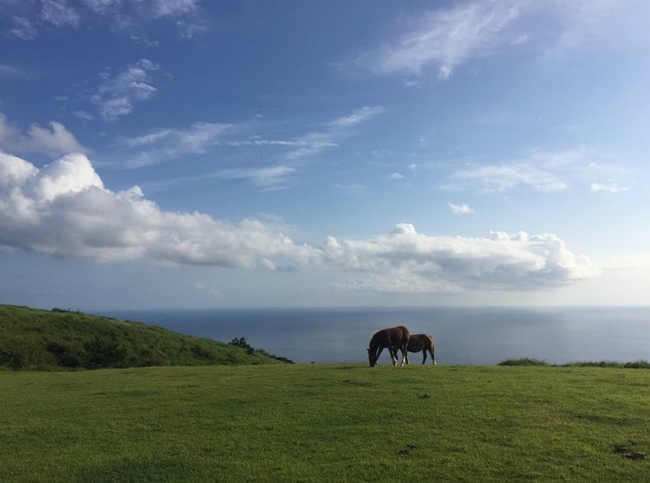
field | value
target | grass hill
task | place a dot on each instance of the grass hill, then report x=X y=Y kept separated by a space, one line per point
x=41 y=339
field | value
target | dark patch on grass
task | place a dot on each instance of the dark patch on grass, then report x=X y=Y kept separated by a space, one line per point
x=629 y=450
x=356 y=383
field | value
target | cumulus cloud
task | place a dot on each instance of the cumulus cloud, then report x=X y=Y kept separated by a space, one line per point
x=408 y=261
x=53 y=142
x=64 y=210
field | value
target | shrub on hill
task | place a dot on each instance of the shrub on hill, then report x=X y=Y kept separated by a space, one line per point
x=40 y=339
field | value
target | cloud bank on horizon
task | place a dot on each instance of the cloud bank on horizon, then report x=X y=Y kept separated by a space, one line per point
x=64 y=210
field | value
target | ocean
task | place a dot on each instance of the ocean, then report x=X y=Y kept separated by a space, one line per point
x=482 y=336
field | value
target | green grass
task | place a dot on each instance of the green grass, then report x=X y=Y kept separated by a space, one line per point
x=41 y=339
x=317 y=423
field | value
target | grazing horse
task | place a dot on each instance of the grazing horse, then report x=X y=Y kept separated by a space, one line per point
x=424 y=343
x=392 y=339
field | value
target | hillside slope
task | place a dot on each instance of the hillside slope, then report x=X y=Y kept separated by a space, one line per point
x=41 y=339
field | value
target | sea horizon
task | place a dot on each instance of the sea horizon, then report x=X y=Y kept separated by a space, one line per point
x=464 y=335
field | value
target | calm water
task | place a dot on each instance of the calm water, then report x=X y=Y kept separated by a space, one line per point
x=463 y=335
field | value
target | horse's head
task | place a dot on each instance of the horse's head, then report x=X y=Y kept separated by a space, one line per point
x=372 y=358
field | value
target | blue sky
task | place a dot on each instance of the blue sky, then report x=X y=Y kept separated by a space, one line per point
x=185 y=153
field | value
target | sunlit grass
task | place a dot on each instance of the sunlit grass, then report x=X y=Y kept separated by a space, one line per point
x=324 y=423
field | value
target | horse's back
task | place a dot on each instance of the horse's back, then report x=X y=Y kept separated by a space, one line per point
x=418 y=342
x=391 y=335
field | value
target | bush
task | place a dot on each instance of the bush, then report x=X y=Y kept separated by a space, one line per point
x=66 y=354
x=103 y=353
x=20 y=355
x=243 y=343
x=524 y=361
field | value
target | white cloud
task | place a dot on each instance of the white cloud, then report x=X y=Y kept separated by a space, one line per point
x=23 y=29
x=53 y=142
x=612 y=188
x=268 y=178
x=396 y=176
x=358 y=116
x=316 y=142
x=32 y=15
x=445 y=38
x=83 y=115
x=506 y=177
x=164 y=145
x=118 y=92
x=64 y=210
x=174 y=8
x=542 y=171
x=463 y=209
x=408 y=261
x=59 y=13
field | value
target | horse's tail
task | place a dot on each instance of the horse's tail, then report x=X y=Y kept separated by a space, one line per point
x=433 y=349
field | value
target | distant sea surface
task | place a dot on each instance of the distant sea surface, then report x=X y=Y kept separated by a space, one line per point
x=481 y=336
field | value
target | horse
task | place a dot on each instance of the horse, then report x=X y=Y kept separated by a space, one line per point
x=424 y=343
x=392 y=339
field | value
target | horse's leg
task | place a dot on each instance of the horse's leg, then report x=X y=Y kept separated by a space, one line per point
x=424 y=355
x=379 y=351
x=433 y=354
x=398 y=349
x=393 y=356
x=405 y=354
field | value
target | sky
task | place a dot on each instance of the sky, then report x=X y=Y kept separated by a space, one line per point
x=301 y=153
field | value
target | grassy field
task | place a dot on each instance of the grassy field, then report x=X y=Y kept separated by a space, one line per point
x=325 y=423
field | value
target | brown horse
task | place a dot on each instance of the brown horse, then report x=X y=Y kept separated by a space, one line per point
x=393 y=338
x=424 y=343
